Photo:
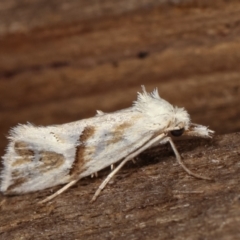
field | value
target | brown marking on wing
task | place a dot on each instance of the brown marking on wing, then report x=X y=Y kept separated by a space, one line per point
x=25 y=154
x=23 y=149
x=17 y=182
x=50 y=160
x=16 y=173
x=118 y=132
x=22 y=161
x=82 y=151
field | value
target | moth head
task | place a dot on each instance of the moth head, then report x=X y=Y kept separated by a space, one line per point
x=180 y=122
x=178 y=132
x=162 y=114
x=183 y=126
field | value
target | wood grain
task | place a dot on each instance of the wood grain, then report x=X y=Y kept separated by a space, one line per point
x=62 y=60
x=155 y=198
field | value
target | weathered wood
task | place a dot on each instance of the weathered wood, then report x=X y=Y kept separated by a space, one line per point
x=153 y=199
x=62 y=60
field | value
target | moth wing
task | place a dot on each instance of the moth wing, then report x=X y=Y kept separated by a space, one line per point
x=42 y=157
x=112 y=139
x=36 y=158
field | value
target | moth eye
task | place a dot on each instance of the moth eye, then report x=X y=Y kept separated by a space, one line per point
x=177 y=133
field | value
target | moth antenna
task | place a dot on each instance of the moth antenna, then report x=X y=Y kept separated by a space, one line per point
x=94 y=175
x=61 y=190
x=134 y=160
x=129 y=157
x=112 y=167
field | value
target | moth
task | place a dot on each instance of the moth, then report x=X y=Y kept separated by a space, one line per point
x=40 y=157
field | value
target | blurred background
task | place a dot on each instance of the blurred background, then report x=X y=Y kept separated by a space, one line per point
x=61 y=60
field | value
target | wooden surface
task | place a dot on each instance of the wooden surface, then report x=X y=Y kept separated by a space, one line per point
x=153 y=199
x=62 y=60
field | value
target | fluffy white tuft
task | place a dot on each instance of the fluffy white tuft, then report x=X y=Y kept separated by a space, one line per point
x=199 y=131
x=159 y=111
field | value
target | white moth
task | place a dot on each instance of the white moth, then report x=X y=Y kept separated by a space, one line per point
x=41 y=157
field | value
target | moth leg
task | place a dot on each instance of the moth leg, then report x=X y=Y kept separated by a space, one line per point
x=178 y=157
x=129 y=157
x=134 y=160
x=61 y=190
x=94 y=175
